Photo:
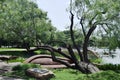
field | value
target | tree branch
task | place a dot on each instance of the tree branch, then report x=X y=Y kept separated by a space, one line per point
x=52 y=50
x=85 y=55
x=81 y=22
x=55 y=50
x=90 y=22
x=72 y=36
x=57 y=41
x=72 y=54
x=61 y=61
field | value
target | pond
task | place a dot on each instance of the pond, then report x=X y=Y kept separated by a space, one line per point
x=113 y=58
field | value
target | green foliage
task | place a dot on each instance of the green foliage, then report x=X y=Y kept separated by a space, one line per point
x=105 y=75
x=114 y=67
x=98 y=61
x=22 y=21
x=15 y=53
x=101 y=13
x=64 y=36
x=20 y=70
x=25 y=67
x=65 y=74
x=20 y=59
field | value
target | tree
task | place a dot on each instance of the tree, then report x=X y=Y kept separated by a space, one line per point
x=22 y=21
x=97 y=13
x=65 y=37
x=91 y=15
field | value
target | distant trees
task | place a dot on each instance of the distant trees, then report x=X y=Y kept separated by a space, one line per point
x=65 y=37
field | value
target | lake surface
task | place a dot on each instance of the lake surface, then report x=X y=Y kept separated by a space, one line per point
x=113 y=58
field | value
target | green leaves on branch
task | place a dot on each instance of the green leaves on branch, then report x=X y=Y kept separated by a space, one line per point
x=22 y=20
x=104 y=14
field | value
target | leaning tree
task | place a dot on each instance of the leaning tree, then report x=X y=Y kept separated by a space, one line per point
x=91 y=14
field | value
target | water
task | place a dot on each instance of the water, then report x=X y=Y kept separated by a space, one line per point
x=113 y=58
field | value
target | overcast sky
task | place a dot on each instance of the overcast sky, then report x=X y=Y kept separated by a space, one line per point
x=56 y=12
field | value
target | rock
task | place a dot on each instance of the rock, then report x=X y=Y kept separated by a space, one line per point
x=9 y=78
x=45 y=60
x=40 y=74
x=6 y=57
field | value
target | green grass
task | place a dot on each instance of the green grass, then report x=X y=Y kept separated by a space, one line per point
x=12 y=49
x=60 y=74
x=20 y=59
x=66 y=74
x=69 y=74
x=114 y=67
x=15 y=53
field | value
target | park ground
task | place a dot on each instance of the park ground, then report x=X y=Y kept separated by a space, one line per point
x=108 y=73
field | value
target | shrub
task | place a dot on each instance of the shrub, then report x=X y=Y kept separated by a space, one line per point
x=24 y=67
x=109 y=67
x=20 y=59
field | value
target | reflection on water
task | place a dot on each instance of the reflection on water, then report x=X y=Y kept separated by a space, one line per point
x=113 y=58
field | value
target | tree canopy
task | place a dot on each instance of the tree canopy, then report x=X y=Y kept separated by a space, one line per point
x=103 y=14
x=22 y=21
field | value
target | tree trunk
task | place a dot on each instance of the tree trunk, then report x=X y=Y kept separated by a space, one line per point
x=87 y=68
x=85 y=45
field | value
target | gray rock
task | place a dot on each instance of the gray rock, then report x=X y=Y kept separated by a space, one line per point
x=40 y=74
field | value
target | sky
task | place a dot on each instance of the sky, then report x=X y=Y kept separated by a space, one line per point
x=56 y=12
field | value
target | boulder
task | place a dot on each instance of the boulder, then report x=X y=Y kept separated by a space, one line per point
x=40 y=74
x=6 y=57
x=45 y=60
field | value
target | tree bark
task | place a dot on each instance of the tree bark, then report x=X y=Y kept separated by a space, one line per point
x=85 y=44
x=72 y=37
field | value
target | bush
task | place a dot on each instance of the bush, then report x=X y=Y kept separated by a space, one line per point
x=109 y=67
x=20 y=59
x=98 y=61
x=104 y=75
x=24 y=67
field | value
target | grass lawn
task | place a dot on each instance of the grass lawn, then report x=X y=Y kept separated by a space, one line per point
x=14 y=52
x=69 y=74
x=12 y=49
